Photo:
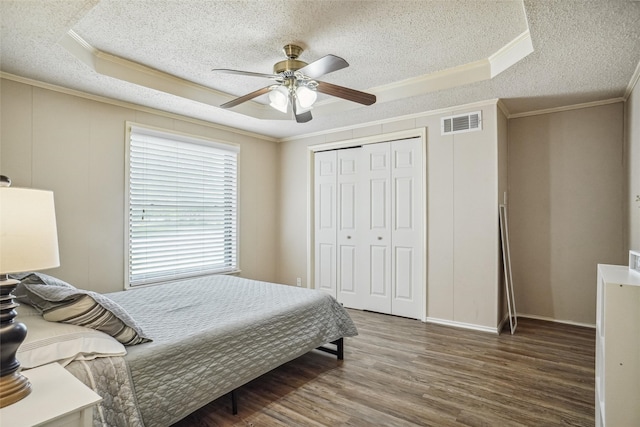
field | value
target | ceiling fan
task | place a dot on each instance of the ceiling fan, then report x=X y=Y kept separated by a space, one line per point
x=296 y=85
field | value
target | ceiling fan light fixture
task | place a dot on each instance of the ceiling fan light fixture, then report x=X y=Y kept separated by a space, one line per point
x=279 y=97
x=300 y=109
x=305 y=97
x=296 y=84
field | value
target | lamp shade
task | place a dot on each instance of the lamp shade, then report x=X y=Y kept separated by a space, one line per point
x=28 y=236
x=306 y=96
x=279 y=97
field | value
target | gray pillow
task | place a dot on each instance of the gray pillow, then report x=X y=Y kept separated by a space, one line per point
x=24 y=295
x=61 y=302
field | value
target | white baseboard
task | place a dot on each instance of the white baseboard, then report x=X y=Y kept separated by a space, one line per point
x=550 y=319
x=502 y=323
x=463 y=325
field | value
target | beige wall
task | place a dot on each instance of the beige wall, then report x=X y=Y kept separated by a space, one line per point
x=475 y=230
x=75 y=147
x=632 y=130
x=462 y=213
x=567 y=180
x=569 y=197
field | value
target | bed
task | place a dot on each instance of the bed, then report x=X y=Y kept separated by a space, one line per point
x=205 y=337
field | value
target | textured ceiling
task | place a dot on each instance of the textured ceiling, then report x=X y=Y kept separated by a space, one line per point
x=583 y=51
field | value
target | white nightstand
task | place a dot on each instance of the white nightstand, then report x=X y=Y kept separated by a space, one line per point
x=57 y=399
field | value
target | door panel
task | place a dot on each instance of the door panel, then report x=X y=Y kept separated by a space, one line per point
x=403 y=206
x=376 y=228
x=378 y=258
x=325 y=271
x=378 y=204
x=408 y=298
x=348 y=228
x=347 y=207
x=326 y=208
x=403 y=277
x=347 y=279
x=325 y=221
x=378 y=295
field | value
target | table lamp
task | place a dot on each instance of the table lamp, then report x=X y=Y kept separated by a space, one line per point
x=28 y=241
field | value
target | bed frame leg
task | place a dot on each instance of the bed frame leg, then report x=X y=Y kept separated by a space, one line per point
x=234 y=403
x=339 y=350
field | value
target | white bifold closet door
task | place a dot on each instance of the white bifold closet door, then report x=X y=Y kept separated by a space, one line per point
x=348 y=246
x=369 y=226
x=325 y=165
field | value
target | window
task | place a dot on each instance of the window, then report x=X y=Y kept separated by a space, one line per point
x=181 y=206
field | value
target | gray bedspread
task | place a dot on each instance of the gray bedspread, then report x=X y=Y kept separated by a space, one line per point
x=214 y=334
x=109 y=377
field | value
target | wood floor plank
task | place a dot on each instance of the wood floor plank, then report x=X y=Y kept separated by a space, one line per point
x=402 y=372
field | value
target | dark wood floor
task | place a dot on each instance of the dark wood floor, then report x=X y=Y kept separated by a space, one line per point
x=401 y=372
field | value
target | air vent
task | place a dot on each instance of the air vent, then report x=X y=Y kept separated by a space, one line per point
x=461 y=123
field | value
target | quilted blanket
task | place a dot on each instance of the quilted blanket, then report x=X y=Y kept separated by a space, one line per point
x=214 y=334
x=108 y=376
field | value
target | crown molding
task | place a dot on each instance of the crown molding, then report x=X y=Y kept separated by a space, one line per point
x=130 y=105
x=498 y=102
x=511 y=53
x=503 y=108
x=412 y=116
x=632 y=83
x=133 y=72
x=566 y=108
x=126 y=70
x=445 y=79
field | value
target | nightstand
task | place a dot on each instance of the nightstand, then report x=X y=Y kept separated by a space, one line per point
x=57 y=399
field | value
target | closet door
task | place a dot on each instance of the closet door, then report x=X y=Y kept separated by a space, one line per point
x=325 y=221
x=369 y=246
x=375 y=218
x=407 y=259
x=347 y=236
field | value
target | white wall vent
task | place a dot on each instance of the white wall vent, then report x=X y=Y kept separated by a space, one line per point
x=461 y=123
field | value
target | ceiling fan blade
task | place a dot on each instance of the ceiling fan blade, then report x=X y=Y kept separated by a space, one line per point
x=325 y=65
x=246 y=97
x=247 y=73
x=302 y=117
x=346 y=93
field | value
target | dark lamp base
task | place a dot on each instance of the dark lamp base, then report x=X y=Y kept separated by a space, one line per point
x=13 y=387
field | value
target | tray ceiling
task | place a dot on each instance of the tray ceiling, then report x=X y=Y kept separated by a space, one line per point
x=415 y=56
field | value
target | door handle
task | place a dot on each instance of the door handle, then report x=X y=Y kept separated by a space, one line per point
x=379 y=238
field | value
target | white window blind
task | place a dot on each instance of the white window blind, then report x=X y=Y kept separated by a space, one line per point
x=182 y=207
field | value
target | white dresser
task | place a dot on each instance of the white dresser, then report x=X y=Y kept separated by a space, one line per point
x=618 y=347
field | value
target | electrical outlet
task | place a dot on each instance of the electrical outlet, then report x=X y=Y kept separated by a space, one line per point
x=298 y=281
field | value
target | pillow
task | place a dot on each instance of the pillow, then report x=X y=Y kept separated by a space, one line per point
x=61 y=302
x=23 y=294
x=96 y=311
x=49 y=342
